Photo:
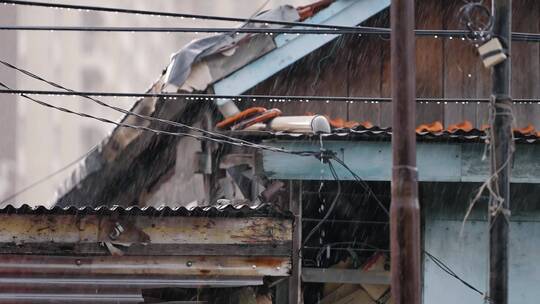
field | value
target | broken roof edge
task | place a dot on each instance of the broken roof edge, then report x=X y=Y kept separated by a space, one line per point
x=218 y=210
x=121 y=137
x=291 y=48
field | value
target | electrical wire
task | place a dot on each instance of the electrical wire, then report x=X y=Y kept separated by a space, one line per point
x=364 y=185
x=47 y=177
x=437 y=261
x=88 y=8
x=200 y=137
x=366 y=30
x=126 y=112
x=163 y=132
x=463 y=34
x=234 y=30
x=451 y=273
x=251 y=97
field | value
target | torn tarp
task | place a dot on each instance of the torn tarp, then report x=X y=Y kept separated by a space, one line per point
x=182 y=61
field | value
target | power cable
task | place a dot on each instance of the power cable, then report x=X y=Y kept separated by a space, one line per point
x=88 y=8
x=47 y=177
x=459 y=34
x=162 y=132
x=437 y=261
x=126 y=112
x=233 y=30
x=451 y=273
x=364 y=185
x=253 y=97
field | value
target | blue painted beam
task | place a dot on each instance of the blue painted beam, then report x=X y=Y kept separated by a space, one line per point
x=291 y=48
x=437 y=162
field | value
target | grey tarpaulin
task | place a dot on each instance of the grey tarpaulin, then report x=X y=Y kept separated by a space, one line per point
x=181 y=62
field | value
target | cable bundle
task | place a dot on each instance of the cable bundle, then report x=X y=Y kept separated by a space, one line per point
x=478 y=20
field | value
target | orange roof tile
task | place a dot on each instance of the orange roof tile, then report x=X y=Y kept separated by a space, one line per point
x=528 y=130
x=433 y=127
x=464 y=126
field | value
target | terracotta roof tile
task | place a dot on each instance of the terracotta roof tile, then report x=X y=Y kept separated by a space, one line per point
x=465 y=126
x=464 y=130
x=433 y=127
x=528 y=130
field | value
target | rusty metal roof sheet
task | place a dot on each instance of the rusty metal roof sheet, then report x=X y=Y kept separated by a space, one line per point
x=220 y=210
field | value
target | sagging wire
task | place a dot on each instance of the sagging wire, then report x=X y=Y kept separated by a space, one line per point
x=516 y=36
x=87 y=8
x=364 y=185
x=195 y=30
x=126 y=112
x=47 y=177
x=533 y=37
x=451 y=273
x=330 y=155
x=162 y=132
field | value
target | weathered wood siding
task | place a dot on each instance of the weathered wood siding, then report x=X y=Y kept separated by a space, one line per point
x=360 y=66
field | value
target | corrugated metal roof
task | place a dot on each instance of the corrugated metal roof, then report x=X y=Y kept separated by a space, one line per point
x=220 y=210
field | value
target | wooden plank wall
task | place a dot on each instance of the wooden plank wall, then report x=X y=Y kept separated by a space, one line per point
x=360 y=66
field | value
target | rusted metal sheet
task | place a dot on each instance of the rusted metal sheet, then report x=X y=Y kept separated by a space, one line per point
x=144 y=235
x=141 y=266
x=151 y=230
x=110 y=255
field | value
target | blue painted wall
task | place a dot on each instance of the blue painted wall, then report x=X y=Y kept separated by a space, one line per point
x=467 y=254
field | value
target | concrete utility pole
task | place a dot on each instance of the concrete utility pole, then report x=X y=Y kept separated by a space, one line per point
x=404 y=210
x=501 y=154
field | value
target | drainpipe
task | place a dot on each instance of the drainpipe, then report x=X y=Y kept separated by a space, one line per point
x=404 y=209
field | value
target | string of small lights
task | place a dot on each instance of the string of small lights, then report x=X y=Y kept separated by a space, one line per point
x=88 y=8
x=258 y=98
x=195 y=30
x=449 y=34
x=47 y=177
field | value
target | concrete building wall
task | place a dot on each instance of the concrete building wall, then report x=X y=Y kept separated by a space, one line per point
x=8 y=125
x=37 y=141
